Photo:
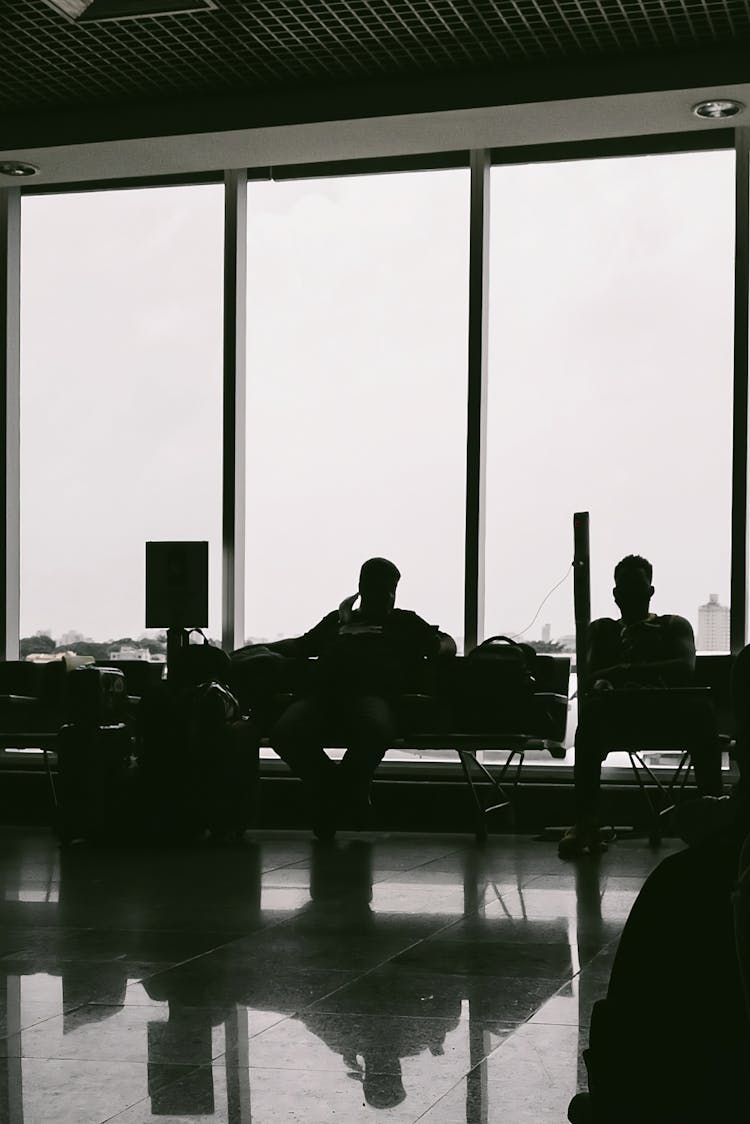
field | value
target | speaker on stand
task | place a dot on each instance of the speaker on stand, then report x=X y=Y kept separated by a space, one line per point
x=176 y=591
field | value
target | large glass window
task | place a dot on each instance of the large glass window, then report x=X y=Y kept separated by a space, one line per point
x=356 y=424
x=610 y=383
x=120 y=401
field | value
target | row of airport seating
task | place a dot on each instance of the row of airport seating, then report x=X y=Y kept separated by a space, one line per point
x=38 y=700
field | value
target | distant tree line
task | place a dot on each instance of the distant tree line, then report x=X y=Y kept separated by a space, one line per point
x=43 y=643
x=546 y=646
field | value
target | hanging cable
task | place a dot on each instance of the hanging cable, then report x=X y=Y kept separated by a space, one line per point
x=543 y=603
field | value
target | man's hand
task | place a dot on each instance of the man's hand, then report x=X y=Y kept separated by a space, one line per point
x=346 y=608
x=361 y=630
x=611 y=675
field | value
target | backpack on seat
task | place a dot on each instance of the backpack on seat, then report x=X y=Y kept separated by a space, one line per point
x=493 y=685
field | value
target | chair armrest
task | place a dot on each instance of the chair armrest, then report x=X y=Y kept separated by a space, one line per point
x=26 y=714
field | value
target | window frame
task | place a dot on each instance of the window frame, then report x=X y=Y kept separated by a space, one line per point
x=480 y=162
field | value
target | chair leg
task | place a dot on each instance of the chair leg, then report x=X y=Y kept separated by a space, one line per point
x=50 y=778
x=655 y=832
x=481 y=822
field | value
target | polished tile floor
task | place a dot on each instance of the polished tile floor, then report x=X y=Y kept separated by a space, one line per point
x=384 y=977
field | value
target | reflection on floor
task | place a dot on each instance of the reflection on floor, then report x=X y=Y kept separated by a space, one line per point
x=384 y=978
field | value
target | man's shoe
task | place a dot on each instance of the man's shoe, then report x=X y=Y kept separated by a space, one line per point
x=581 y=839
x=325 y=818
x=355 y=811
x=700 y=820
x=324 y=830
x=354 y=804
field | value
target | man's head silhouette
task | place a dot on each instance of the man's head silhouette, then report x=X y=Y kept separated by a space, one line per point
x=633 y=589
x=383 y=1090
x=378 y=579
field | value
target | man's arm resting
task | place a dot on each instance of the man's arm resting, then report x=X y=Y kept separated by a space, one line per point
x=676 y=672
x=309 y=644
x=291 y=647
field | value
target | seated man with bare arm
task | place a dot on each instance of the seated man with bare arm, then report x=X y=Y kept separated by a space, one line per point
x=640 y=650
x=364 y=654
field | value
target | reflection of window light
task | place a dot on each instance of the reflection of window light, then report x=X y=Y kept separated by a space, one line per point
x=42 y=988
x=573 y=942
x=283 y=897
x=52 y=894
x=419 y=898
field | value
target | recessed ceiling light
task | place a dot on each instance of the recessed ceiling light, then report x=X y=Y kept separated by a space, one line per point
x=91 y=11
x=17 y=168
x=717 y=109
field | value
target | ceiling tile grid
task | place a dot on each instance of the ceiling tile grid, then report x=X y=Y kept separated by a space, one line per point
x=249 y=45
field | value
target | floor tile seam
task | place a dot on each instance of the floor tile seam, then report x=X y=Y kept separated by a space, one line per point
x=97 y=1057
x=472 y=1068
x=457 y=921
x=444 y=1095
x=281 y=1019
x=39 y=1022
x=357 y=979
x=435 y=858
x=559 y=984
x=198 y=955
x=159 y=971
x=362 y=1016
x=600 y=952
x=281 y=866
x=189 y=1071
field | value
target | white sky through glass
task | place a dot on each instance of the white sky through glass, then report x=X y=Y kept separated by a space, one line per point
x=610 y=382
x=610 y=389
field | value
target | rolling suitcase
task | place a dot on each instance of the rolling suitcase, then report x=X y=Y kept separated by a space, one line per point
x=197 y=760
x=94 y=748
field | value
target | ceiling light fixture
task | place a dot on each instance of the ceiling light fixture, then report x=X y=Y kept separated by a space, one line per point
x=717 y=109
x=92 y=11
x=17 y=168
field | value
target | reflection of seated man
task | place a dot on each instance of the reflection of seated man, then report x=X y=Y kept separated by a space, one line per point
x=642 y=650
x=372 y=1049
x=364 y=655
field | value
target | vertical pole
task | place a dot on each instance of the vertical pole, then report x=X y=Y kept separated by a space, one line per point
x=10 y=367
x=11 y=1074
x=476 y=429
x=233 y=476
x=237 y=1066
x=581 y=598
x=738 y=580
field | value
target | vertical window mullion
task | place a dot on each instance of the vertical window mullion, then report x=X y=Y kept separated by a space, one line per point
x=233 y=449
x=738 y=598
x=10 y=317
x=476 y=433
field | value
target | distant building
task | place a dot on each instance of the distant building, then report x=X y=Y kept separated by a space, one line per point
x=713 y=626
x=126 y=652
x=71 y=659
x=546 y=633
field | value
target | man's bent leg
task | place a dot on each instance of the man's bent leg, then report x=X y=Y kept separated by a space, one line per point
x=590 y=751
x=297 y=738
x=702 y=743
x=370 y=729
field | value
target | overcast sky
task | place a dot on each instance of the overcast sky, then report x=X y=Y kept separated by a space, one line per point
x=609 y=390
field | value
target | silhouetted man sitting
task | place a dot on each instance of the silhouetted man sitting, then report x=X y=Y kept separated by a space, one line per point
x=640 y=650
x=364 y=656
